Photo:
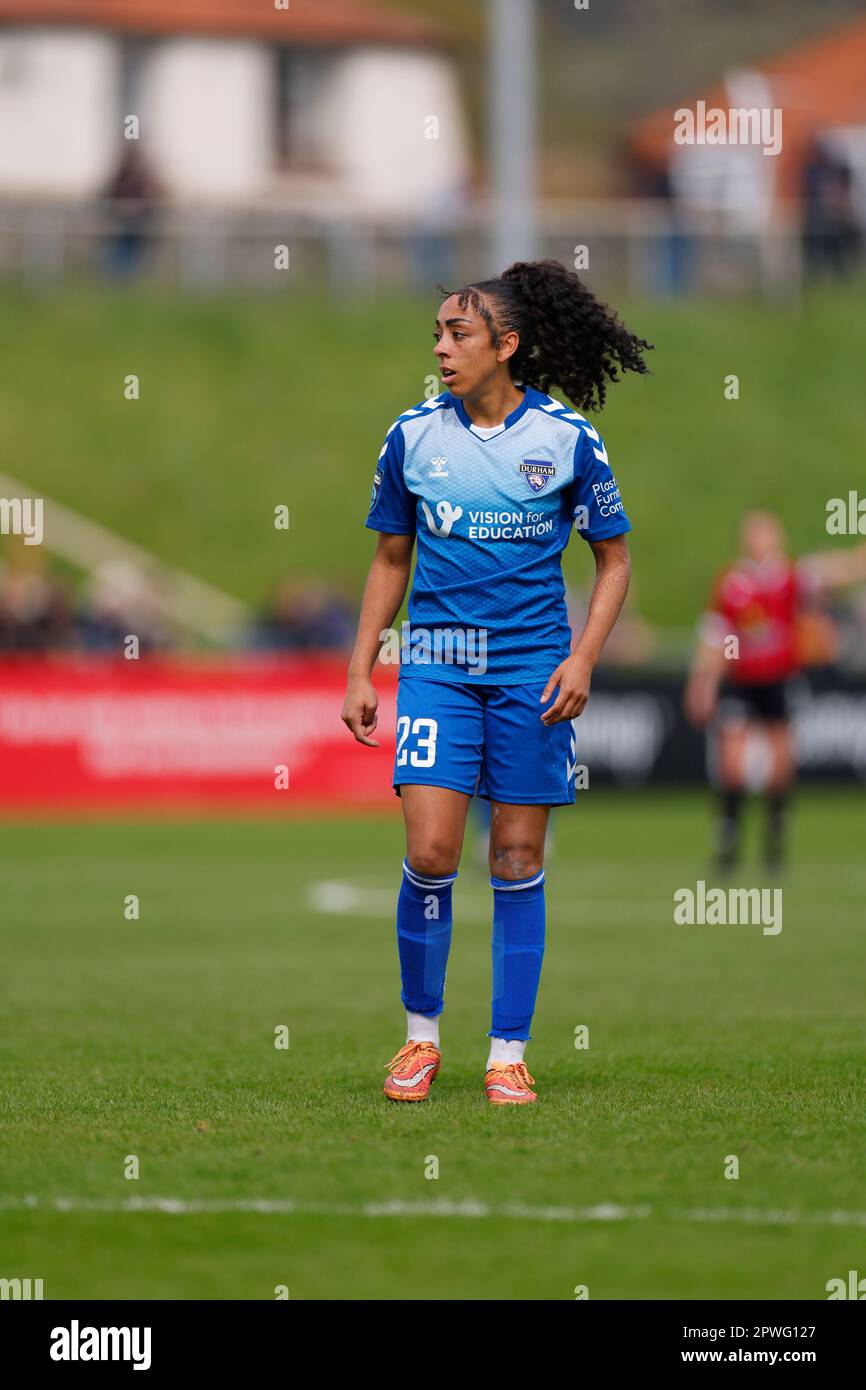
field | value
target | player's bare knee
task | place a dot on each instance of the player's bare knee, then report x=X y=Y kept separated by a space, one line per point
x=515 y=859
x=433 y=859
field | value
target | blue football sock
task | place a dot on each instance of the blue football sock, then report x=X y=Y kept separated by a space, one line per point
x=518 y=950
x=423 y=939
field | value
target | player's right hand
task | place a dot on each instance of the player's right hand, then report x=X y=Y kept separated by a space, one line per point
x=359 y=711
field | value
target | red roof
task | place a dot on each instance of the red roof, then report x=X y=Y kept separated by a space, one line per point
x=818 y=83
x=305 y=21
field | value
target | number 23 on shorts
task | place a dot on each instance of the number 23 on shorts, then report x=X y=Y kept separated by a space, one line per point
x=423 y=733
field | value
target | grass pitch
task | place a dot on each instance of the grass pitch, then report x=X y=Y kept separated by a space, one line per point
x=155 y=1038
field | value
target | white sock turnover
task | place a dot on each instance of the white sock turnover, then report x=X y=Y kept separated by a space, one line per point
x=505 y=1051
x=422 y=1028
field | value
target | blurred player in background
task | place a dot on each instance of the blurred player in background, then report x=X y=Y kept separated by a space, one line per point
x=749 y=653
x=490 y=477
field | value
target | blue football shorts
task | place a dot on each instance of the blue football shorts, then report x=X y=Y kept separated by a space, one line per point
x=485 y=740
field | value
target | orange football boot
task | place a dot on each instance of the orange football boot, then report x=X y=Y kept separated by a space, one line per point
x=509 y=1083
x=412 y=1071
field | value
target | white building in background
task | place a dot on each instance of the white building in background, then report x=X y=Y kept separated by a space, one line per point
x=326 y=103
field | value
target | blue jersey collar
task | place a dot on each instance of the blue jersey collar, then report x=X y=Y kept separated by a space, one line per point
x=460 y=409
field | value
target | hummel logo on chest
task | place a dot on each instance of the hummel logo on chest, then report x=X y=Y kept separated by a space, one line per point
x=438 y=470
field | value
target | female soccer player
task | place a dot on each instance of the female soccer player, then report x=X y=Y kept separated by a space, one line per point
x=745 y=663
x=491 y=477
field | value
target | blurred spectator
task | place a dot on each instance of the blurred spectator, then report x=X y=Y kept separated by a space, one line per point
x=671 y=254
x=849 y=619
x=305 y=615
x=35 y=613
x=122 y=601
x=133 y=193
x=831 y=236
x=442 y=216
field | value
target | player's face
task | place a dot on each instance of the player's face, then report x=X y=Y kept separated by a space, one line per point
x=464 y=350
x=762 y=536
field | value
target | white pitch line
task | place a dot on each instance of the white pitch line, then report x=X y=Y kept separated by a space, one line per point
x=335 y=898
x=340 y=898
x=468 y=1209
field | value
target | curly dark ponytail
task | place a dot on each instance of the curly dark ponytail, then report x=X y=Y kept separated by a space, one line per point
x=568 y=338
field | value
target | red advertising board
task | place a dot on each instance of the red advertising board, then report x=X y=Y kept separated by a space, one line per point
x=200 y=735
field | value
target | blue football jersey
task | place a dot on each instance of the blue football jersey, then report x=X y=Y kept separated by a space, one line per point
x=492 y=517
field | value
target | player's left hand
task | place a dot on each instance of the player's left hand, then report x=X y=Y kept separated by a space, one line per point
x=573 y=677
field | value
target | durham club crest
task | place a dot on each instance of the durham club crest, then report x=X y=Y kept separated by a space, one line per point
x=537 y=472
